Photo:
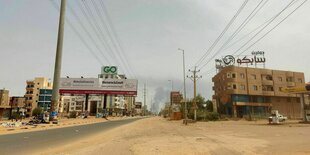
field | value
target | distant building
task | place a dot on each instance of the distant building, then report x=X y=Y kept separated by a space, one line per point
x=138 y=108
x=33 y=90
x=242 y=91
x=18 y=103
x=5 y=107
x=45 y=99
x=176 y=97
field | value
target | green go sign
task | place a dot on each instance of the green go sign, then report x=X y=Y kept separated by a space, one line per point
x=109 y=70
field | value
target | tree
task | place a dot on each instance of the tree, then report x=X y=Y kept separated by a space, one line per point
x=37 y=111
x=209 y=105
x=200 y=101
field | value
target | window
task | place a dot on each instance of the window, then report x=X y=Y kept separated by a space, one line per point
x=268 y=77
x=299 y=80
x=255 y=87
x=267 y=88
x=229 y=86
x=253 y=76
x=289 y=79
x=280 y=88
x=280 y=79
x=242 y=87
x=228 y=75
x=234 y=86
x=233 y=75
x=242 y=75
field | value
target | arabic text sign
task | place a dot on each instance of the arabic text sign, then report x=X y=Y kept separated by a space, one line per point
x=231 y=60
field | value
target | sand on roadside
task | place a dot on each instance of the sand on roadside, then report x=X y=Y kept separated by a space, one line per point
x=158 y=136
x=63 y=122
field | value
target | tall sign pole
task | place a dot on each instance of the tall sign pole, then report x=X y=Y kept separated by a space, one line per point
x=57 y=69
x=194 y=78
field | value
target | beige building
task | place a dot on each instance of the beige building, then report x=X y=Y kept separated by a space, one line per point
x=32 y=92
x=4 y=104
x=17 y=103
x=242 y=91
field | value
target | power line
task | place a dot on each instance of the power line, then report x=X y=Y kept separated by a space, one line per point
x=56 y=6
x=110 y=36
x=273 y=18
x=87 y=32
x=270 y=21
x=241 y=26
x=222 y=33
x=275 y=26
x=123 y=55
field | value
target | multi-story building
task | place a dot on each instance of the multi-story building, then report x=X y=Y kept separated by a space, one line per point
x=5 y=107
x=33 y=90
x=241 y=91
x=18 y=103
x=45 y=99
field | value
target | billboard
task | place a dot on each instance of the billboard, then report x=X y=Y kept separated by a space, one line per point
x=78 y=83
x=98 y=86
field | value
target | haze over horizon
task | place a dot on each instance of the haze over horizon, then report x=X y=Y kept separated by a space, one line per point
x=149 y=34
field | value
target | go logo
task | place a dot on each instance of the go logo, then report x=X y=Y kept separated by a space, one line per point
x=110 y=69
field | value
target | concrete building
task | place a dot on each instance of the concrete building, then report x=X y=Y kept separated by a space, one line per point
x=32 y=92
x=242 y=91
x=5 y=107
x=45 y=99
x=138 y=108
x=18 y=103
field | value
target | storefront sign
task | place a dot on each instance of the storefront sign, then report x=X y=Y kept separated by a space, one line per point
x=257 y=57
x=98 y=86
x=111 y=70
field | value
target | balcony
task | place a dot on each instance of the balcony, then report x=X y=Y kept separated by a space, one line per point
x=267 y=82
x=291 y=84
x=268 y=93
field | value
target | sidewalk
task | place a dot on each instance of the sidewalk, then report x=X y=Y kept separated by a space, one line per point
x=17 y=127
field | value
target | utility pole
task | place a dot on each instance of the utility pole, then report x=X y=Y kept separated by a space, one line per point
x=143 y=112
x=184 y=85
x=194 y=78
x=57 y=69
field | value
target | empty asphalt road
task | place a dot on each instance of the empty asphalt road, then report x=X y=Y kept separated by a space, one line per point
x=28 y=142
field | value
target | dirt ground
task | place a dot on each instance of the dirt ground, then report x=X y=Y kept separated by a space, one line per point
x=156 y=135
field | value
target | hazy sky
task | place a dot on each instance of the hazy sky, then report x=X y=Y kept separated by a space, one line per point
x=149 y=32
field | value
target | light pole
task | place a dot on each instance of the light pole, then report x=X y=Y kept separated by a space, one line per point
x=171 y=84
x=57 y=69
x=170 y=97
x=184 y=85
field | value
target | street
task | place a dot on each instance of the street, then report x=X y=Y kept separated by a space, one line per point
x=30 y=142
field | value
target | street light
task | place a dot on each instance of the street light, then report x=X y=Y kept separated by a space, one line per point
x=171 y=84
x=185 y=104
x=205 y=105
